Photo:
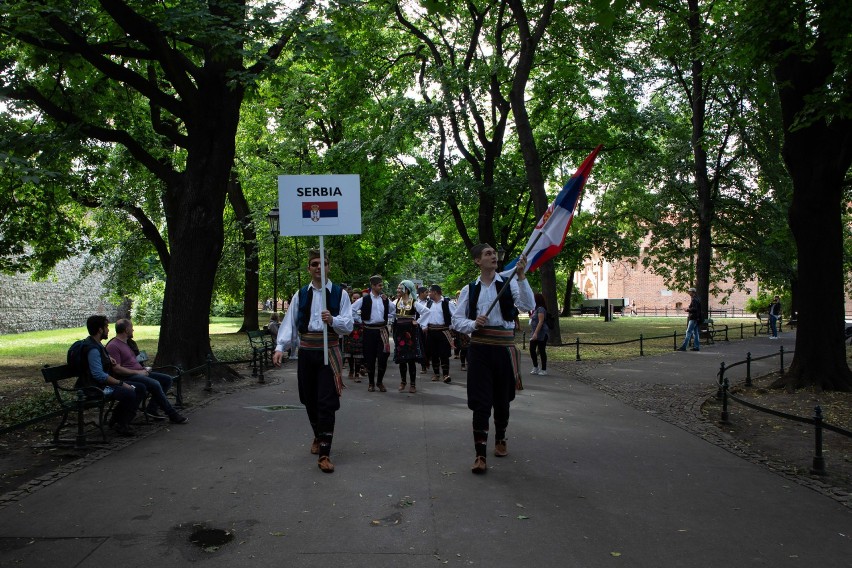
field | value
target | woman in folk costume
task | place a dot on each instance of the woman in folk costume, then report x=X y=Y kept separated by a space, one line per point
x=408 y=344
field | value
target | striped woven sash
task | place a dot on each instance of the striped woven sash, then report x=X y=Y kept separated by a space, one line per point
x=445 y=329
x=312 y=341
x=501 y=337
x=383 y=331
x=493 y=336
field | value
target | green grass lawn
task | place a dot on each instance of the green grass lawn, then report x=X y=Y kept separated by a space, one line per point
x=627 y=330
x=38 y=348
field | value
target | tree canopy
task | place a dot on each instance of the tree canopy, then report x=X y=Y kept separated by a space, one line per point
x=151 y=134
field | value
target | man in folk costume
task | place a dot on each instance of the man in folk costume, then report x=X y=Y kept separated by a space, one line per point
x=320 y=385
x=437 y=322
x=422 y=298
x=376 y=312
x=493 y=359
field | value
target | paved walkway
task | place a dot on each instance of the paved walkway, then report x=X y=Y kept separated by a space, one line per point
x=590 y=482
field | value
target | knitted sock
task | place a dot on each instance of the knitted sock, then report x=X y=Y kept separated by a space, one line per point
x=480 y=441
x=500 y=435
x=325 y=439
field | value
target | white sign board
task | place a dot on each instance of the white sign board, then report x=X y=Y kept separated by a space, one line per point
x=319 y=205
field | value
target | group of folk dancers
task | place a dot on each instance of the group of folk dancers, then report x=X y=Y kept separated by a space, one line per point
x=420 y=323
x=482 y=315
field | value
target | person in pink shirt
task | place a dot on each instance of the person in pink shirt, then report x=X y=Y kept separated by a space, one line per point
x=129 y=368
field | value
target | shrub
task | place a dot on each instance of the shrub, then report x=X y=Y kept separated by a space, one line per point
x=27 y=408
x=226 y=307
x=149 y=303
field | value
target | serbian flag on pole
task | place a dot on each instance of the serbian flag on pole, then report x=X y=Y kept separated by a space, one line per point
x=548 y=237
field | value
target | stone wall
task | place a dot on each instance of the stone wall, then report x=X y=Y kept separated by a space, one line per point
x=64 y=300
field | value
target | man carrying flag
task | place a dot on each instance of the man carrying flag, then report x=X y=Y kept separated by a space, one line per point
x=492 y=357
x=493 y=366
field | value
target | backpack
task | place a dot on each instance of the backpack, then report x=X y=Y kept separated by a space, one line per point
x=76 y=358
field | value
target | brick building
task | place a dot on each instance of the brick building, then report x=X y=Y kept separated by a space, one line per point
x=648 y=292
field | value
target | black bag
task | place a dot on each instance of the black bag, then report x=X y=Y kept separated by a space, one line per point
x=76 y=358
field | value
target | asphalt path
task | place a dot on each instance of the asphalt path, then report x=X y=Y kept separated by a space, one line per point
x=589 y=482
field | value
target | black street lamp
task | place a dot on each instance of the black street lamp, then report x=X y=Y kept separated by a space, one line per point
x=501 y=256
x=272 y=217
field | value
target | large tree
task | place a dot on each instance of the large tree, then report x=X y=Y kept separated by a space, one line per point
x=84 y=64
x=808 y=46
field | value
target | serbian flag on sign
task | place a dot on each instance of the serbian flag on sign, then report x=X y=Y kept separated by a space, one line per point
x=319 y=213
x=548 y=237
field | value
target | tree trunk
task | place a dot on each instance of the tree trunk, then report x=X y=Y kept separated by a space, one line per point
x=194 y=207
x=532 y=161
x=705 y=206
x=569 y=292
x=251 y=286
x=818 y=155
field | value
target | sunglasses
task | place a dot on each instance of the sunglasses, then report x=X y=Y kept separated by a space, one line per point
x=316 y=263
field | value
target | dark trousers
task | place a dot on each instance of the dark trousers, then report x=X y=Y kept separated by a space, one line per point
x=440 y=350
x=411 y=366
x=318 y=392
x=126 y=402
x=537 y=349
x=375 y=358
x=490 y=384
x=427 y=354
x=157 y=385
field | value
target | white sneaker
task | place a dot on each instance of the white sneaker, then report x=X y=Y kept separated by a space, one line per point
x=534 y=371
x=542 y=372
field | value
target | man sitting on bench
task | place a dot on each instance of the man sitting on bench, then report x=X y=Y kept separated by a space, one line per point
x=99 y=373
x=129 y=368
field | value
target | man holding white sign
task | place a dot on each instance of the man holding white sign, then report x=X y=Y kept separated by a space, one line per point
x=320 y=384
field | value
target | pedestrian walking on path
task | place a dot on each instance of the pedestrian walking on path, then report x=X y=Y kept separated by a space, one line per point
x=320 y=384
x=493 y=358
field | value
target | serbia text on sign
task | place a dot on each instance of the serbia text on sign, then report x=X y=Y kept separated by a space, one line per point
x=318 y=191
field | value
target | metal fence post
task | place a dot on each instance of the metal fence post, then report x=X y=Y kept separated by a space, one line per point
x=819 y=461
x=725 y=416
x=748 y=369
x=782 y=359
x=578 y=349
x=209 y=386
x=80 y=440
x=721 y=379
x=641 y=345
x=674 y=340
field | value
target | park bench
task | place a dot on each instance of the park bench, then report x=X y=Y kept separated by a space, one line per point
x=172 y=370
x=763 y=319
x=710 y=334
x=76 y=400
x=262 y=346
